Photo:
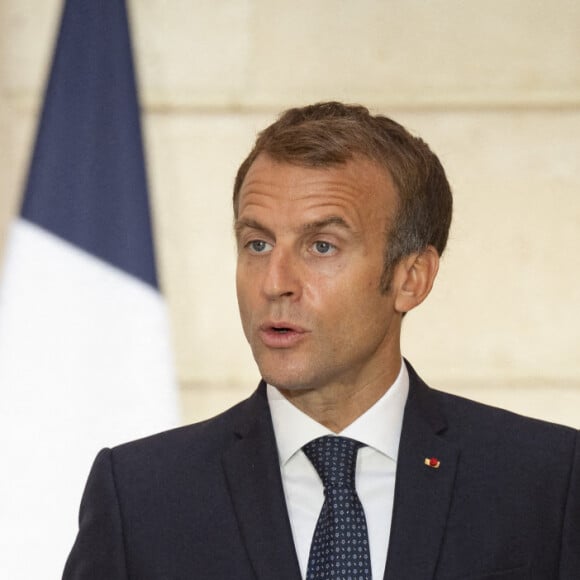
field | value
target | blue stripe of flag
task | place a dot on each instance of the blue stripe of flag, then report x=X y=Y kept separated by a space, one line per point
x=87 y=181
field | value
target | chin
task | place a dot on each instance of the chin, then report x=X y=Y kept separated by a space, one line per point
x=285 y=379
x=277 y=369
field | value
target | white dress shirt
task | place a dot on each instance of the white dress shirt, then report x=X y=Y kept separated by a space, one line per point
x=379 y=429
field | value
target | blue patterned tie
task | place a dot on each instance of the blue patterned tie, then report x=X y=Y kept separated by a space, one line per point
x=340 y=545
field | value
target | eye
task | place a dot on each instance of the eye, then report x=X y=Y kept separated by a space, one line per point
x=325 y=248
x=258 y=246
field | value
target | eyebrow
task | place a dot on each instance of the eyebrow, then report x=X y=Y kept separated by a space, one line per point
x=251 y=224
x=321 y=224
x=306 y=228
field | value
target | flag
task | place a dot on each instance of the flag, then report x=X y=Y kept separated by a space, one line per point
x=84 y=346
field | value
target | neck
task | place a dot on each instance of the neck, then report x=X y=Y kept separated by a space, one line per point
x=337 y=405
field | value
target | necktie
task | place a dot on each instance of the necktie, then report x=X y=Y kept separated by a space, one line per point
x=340 y=545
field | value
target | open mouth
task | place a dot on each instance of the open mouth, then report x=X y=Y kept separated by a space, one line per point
x=281 y=335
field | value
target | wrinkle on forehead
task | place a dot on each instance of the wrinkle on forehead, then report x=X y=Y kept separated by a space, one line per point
x=359 y=192
x=304 y=214
x=357 y=170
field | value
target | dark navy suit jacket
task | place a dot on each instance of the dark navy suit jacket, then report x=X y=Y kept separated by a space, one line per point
x=205 y=502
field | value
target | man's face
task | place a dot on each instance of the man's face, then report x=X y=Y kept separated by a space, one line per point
x=311 y=243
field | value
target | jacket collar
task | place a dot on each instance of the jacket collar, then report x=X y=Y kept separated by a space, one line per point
x=422 y=492
x=252 y=469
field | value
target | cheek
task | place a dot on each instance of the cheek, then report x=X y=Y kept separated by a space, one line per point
x=243 y=292
x=243 y=281
x=245 y=310
x=338 y=300
x=363 y=305
x=324 y=294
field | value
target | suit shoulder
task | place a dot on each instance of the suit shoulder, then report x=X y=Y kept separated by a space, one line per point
x=195 y=441
x=467 y=414
x=493 y=425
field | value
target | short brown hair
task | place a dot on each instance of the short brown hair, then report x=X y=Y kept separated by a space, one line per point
x=333 y=133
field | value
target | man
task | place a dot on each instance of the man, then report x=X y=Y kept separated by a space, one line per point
x=340 y=218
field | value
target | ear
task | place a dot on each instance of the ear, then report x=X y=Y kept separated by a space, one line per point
x=413 y=278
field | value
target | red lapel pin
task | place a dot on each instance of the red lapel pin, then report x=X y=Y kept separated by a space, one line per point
x=432 y=462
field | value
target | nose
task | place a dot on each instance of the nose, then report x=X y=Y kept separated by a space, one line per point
x=281 y=276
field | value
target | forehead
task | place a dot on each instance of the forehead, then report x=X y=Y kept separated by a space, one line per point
x=359 y=184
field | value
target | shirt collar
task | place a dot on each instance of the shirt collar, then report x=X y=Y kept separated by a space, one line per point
x=379 y=427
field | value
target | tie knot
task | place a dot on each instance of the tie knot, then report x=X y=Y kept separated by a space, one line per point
x=334 y=458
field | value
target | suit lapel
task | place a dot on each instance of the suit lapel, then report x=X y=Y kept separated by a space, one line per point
x=422 y=493
x=252 y=469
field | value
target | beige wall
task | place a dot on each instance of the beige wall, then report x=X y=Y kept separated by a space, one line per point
x=494 y=87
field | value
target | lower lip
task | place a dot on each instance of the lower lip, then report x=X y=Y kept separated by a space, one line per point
x=274 y=339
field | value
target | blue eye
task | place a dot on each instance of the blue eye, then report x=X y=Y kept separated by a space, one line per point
x=258 y=246
x=323 y=247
